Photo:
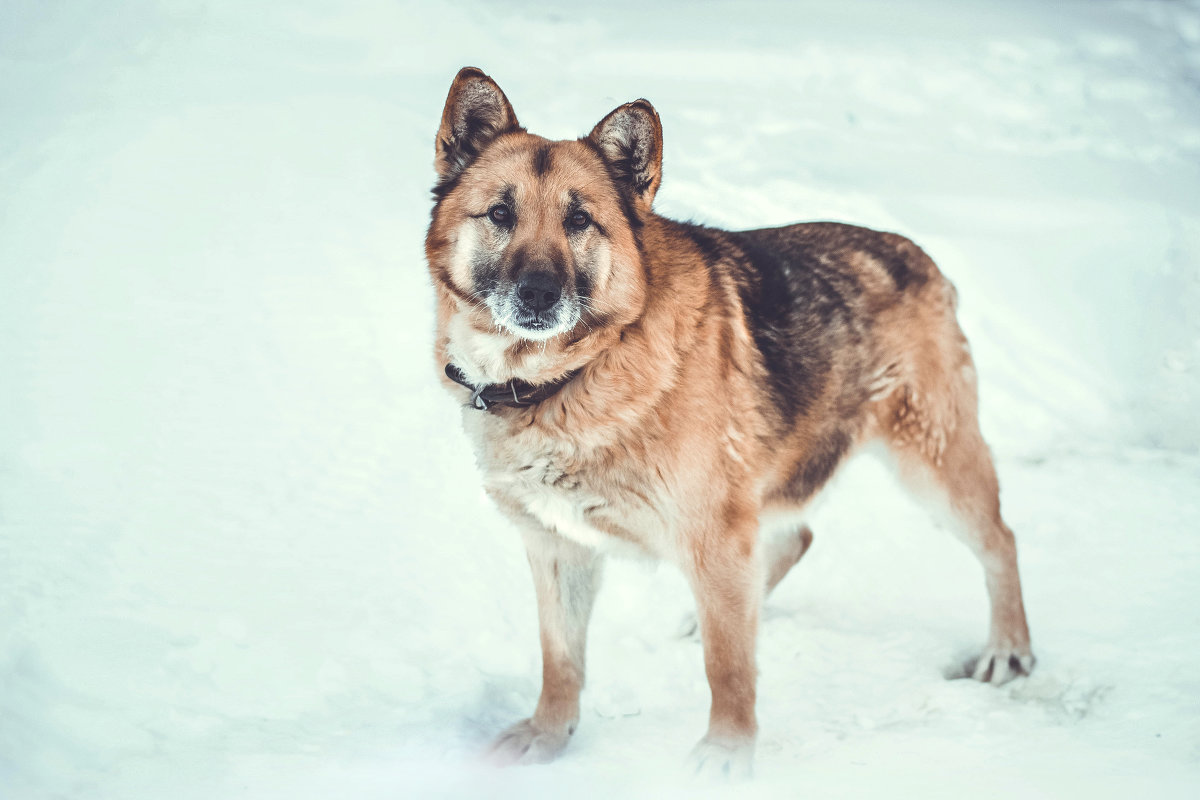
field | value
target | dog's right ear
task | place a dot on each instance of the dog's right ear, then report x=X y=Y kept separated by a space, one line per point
x=476 y=112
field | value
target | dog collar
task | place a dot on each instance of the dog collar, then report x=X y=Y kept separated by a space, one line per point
x=514 y=394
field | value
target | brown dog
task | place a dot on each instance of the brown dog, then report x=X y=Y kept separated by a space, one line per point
x=633 y=383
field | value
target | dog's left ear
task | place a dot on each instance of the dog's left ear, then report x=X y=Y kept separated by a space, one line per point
x=631 y=140
x=476 y=112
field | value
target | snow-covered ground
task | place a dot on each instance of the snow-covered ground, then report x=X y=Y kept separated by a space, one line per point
x=243 y=548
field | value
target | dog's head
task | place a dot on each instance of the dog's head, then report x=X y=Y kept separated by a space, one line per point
x=535 y=240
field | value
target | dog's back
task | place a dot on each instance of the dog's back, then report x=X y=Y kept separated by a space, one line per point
x=857 y=338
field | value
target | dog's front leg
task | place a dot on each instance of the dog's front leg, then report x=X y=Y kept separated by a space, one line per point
x=565 y=576
x=728 y=587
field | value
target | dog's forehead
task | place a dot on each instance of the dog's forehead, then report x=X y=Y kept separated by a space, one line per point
x=532 y=167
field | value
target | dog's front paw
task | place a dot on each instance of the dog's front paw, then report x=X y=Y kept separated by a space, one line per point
x=999 y=664
x=722 y=759
x=527 y=743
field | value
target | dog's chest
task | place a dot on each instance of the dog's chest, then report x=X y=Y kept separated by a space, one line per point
x=567 y=503
x=590 y=505
x=563 y=504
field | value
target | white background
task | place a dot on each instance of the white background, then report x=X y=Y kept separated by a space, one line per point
x=243 y=548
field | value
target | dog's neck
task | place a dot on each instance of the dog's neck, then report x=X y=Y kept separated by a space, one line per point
x=513 y=394
x=487 y=356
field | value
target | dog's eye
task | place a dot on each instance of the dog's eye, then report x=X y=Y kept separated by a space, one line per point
x=500 y=215
x=578 y=220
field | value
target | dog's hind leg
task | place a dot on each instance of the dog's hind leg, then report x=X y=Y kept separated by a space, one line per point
x=566 y=577
x=934 y=434
x=783 y=550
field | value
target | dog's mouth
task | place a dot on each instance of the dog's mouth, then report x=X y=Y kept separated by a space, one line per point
x=536 y=325
x=536 y=322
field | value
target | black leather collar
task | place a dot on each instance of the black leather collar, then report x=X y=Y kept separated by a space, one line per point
x=514 y=394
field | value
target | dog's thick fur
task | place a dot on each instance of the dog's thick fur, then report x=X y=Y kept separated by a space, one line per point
x=715 y=379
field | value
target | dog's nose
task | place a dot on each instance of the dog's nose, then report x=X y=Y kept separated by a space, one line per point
x=539 y=291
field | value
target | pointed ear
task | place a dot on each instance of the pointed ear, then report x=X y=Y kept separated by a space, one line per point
x=476 y=113
x=630 y=138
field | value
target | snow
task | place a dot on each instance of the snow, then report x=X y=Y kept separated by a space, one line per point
x=243 y=547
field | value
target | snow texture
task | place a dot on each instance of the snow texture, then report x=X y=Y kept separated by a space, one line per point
x=243 y=547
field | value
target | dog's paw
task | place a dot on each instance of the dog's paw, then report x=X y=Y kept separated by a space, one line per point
x=526 y=743
x=722 y=759
x=688 y=627
x=998 y=665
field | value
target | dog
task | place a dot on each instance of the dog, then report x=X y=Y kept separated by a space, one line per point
x=635 y=384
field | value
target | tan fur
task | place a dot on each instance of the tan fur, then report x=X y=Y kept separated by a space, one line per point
x=664 y=442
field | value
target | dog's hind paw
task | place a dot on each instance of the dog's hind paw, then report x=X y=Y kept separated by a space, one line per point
x=527 y=743
x=688 y=627
x=717 y=760
x=997 y=665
